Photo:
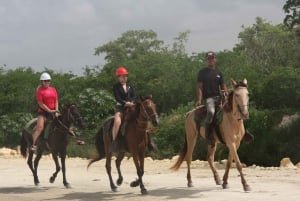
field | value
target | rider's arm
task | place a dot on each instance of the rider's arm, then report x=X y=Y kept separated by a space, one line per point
x=117 y=95
x=224 y=88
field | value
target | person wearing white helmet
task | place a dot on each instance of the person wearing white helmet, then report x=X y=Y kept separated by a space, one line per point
x=47 y=99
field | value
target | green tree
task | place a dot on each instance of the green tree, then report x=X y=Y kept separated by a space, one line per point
x=17 y=92
x=292 y=10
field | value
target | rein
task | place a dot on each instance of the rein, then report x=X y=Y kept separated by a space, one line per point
x=69 y=119
x=147 y=117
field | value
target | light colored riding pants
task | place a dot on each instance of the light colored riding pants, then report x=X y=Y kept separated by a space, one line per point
x=210 y=107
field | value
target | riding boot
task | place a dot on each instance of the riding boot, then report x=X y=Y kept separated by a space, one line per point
x=208 y=134
x=151 y=145
x=248 y=137
x=123 y=128
x=114 y=146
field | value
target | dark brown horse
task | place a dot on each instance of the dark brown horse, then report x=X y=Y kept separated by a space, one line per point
x=58 y=131
x=134 y=141
x=232 y=131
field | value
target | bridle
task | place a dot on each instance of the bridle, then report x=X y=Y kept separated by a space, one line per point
x=147 y=115
x=239 y=107
x=70 y=118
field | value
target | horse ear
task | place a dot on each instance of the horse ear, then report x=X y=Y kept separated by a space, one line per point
x=142 y=98
x=233 y=83
x=245 y=81
x=150 y=96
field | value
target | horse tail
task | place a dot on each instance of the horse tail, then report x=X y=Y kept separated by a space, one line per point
x=23 y=144
x=99 y=146
x=181 y=156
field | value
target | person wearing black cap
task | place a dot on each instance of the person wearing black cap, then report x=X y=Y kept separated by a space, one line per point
x=210 y=84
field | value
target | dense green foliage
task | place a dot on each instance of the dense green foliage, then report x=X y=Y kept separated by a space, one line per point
x=267 y=55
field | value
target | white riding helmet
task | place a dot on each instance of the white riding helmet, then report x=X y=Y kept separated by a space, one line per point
x=45 y=76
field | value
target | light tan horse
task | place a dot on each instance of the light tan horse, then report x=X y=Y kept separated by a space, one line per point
x=231 y=128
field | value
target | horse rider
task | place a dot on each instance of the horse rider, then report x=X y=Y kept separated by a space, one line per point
x=125 y=97
x=47 y=99
x=210 y=84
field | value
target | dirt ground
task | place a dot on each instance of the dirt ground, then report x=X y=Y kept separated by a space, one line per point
x=16 y=182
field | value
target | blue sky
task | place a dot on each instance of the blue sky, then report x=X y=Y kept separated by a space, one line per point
x=62 y=34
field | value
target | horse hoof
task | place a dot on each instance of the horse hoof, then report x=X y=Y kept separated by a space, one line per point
x=114 y=189
x=119 y=181
x=134 y=183
x=36 y=183
x=67 y=185
x=247 y=188
x=190 y=184
x=218 y=182
x=225 y=186
x=52 y=179
x=144 y=191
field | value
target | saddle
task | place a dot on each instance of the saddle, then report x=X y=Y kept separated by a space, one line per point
x=200 y=119
x=31 y=125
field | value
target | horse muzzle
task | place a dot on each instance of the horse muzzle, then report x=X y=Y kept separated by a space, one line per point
x=244 y=112
x=155 y=120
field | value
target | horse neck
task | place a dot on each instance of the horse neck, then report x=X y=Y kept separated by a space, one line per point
x=141 y=119
x=231 y=117
x=230 y=109
x=65 y=119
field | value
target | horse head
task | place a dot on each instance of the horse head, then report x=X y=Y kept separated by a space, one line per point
x=240 y=99
x=71 y=115
x=149 y=109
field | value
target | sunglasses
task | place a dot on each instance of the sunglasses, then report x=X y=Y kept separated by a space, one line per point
x=46 y=80
x=210 y=57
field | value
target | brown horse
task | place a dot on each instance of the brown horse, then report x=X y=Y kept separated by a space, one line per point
x=57 y=141
x=231 y=129
x=134 y=141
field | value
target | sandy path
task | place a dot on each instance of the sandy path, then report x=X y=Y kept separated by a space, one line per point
x=16 y=182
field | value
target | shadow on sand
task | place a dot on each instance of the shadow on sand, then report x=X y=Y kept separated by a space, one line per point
x=155 y=194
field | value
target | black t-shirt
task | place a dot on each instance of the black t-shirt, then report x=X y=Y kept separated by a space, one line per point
x=120 y=95
x=212 y=79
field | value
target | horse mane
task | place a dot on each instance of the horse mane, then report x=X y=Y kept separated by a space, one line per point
x=228 y=105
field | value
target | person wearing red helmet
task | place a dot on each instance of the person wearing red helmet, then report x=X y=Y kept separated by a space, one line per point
x=125 y=96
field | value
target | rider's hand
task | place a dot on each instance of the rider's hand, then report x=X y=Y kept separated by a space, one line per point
x=55 y=112
x=129 y=104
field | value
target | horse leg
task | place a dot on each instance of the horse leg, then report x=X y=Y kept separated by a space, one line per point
x=211 y=149
x=228 y=166
x=118 y=165
x=140 y=173
x=108 y=171
x=191 y=138
x=233 y=152
x=63 y=168
x=29 y=161
x=141 y=159
x=55 y=158
x=36 y=163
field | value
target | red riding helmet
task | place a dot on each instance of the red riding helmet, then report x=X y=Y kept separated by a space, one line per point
x=121 y=71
